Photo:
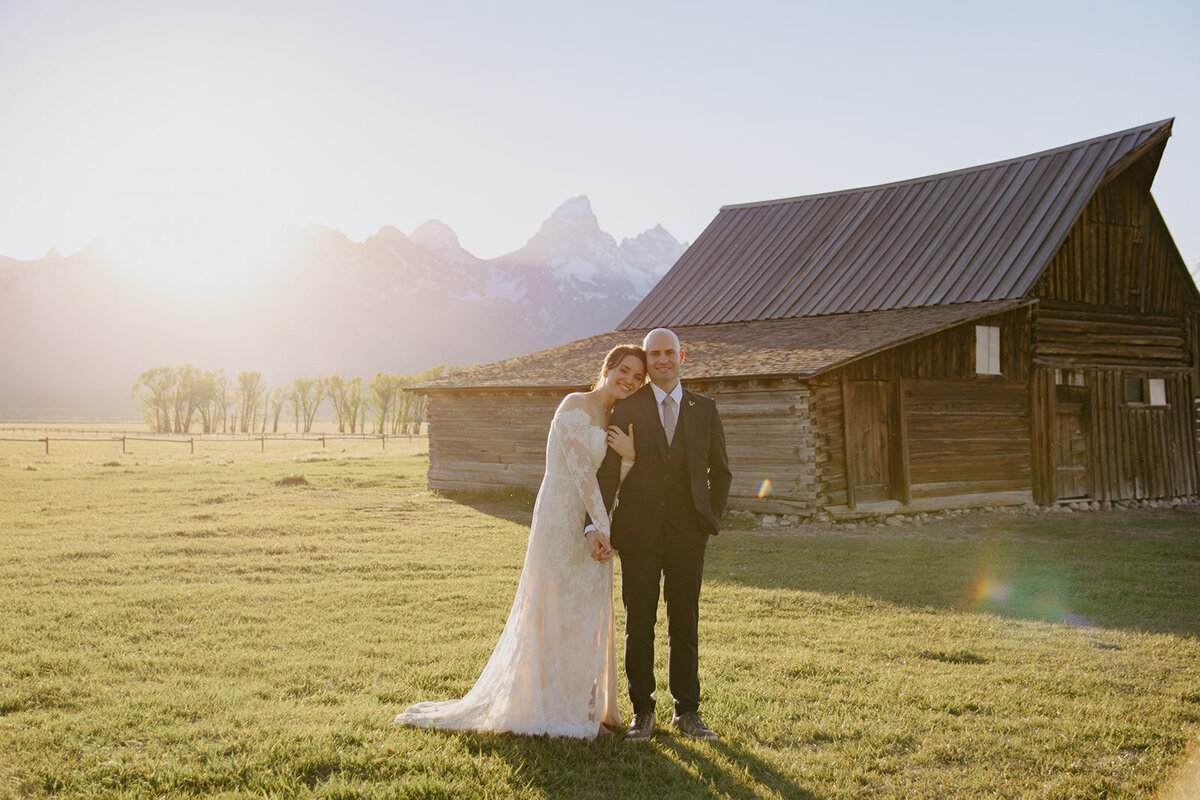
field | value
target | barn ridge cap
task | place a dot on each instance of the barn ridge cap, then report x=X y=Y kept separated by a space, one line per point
x=1134 y=155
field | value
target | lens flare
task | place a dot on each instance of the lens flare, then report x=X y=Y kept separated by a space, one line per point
x=764 y=488
x=1028 y=592
x=990 y=591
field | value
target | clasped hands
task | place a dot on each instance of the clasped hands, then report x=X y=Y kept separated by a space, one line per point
x=601 y=548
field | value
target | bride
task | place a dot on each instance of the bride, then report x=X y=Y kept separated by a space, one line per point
x=554 y=669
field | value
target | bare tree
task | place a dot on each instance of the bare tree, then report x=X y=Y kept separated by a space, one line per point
x=170 y=399
x=203 y=388
x=190 y=390
x=222 y=397
x=279 y=401
x=251 y=390
x=381 y=396
x=363 y=406
x=355 y=400
x=211 y=396
x=153 y=394
x=307 y=396
x=266 y=407
x=346 y=397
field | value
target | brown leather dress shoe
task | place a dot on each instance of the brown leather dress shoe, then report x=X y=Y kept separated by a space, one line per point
x=642 y=728
x=690 y=724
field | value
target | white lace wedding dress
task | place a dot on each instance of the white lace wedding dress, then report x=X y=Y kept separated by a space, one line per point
x=554 y=669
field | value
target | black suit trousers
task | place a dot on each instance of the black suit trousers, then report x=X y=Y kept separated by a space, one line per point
x=677 y=560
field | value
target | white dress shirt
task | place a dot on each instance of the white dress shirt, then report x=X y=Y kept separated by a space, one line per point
x=676 y=395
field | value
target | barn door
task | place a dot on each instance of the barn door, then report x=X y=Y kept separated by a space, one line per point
x=1071 y=478
x=869 y=415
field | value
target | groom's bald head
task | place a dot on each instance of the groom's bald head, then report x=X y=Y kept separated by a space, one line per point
x=664 y=356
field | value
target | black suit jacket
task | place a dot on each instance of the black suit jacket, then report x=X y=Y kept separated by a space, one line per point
x=639 y=516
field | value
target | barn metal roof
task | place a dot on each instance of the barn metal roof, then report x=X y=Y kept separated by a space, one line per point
x=980 y=234
x=794 y=347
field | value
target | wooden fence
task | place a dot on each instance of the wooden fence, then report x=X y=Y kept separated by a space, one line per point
x=45 y=436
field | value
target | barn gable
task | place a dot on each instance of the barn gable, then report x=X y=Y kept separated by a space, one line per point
x=979 y=234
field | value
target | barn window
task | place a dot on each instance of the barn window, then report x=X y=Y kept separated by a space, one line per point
x=1156 y=391
x=1069 y=377
x=1135 y=391
x=1146 y=391
x=987 y=350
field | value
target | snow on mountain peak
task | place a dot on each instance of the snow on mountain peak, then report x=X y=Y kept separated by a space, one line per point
x=440 y=239
x=435 y=235
x=579 y=207
x=388 y=234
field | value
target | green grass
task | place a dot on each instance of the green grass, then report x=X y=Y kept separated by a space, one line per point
x=239 y=624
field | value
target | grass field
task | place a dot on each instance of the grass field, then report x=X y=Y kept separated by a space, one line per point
x=244 y=624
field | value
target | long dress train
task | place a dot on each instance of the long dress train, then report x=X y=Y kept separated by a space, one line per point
x=554 y=669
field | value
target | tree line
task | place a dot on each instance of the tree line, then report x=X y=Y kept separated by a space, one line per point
x=181 y=399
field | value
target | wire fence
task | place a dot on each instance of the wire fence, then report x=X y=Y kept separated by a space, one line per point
x=57 y=434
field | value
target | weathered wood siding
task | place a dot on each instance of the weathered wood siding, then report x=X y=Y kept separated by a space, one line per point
x=1133 y=450
x=768 y=435
x=1119 y=255
x=968 y=437
x=830 y=440
x=482 y=440
x=1082 y=337
x=1116 y=303
x=955 y=433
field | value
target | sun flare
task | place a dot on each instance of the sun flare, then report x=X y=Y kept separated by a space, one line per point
x=188 y=179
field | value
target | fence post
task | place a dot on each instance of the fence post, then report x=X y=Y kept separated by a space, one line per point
x=383 y=442
x=47 y=441
x=192 y=443
x=122 y=444
x=262 y=441
x=322 y=442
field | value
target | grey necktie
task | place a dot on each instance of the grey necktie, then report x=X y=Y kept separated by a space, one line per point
x=668 y=405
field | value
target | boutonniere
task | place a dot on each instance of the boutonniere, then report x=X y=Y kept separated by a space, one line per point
x=691 y=402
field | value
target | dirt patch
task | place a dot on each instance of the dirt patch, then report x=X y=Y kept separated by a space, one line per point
x=292 y=480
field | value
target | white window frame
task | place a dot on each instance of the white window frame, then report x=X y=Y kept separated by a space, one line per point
x=987 y=350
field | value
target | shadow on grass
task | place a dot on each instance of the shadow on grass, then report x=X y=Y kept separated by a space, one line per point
x=1133 y=570
x=1137 y=570
x=665 y=767
x=514 y=504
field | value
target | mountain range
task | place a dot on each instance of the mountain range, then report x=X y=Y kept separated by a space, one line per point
x=76 y=331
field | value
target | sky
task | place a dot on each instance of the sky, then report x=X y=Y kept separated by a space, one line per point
x=190 y=135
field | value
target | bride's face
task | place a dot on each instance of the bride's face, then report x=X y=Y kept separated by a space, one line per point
x=625 y=378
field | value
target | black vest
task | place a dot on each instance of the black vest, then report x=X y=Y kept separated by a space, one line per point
x=677 y=486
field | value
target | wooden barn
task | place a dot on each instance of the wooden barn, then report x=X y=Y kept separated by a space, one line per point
x=1014 y=332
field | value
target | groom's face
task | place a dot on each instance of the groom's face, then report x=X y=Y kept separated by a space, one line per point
x=663 y=357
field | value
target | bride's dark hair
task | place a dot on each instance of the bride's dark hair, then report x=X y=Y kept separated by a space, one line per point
x=616 y=356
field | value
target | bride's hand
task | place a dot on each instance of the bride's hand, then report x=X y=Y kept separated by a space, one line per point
x=601 y=549
x=622 y=442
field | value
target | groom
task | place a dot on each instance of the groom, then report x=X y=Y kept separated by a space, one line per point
x=669 y=504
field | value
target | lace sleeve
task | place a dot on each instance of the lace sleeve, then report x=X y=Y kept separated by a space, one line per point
x=570 y=429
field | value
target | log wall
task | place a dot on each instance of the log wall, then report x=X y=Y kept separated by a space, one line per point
x=489 y=440
x=967 y=437
x=484 y=440
x=768 y=435
x=1074 y=336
